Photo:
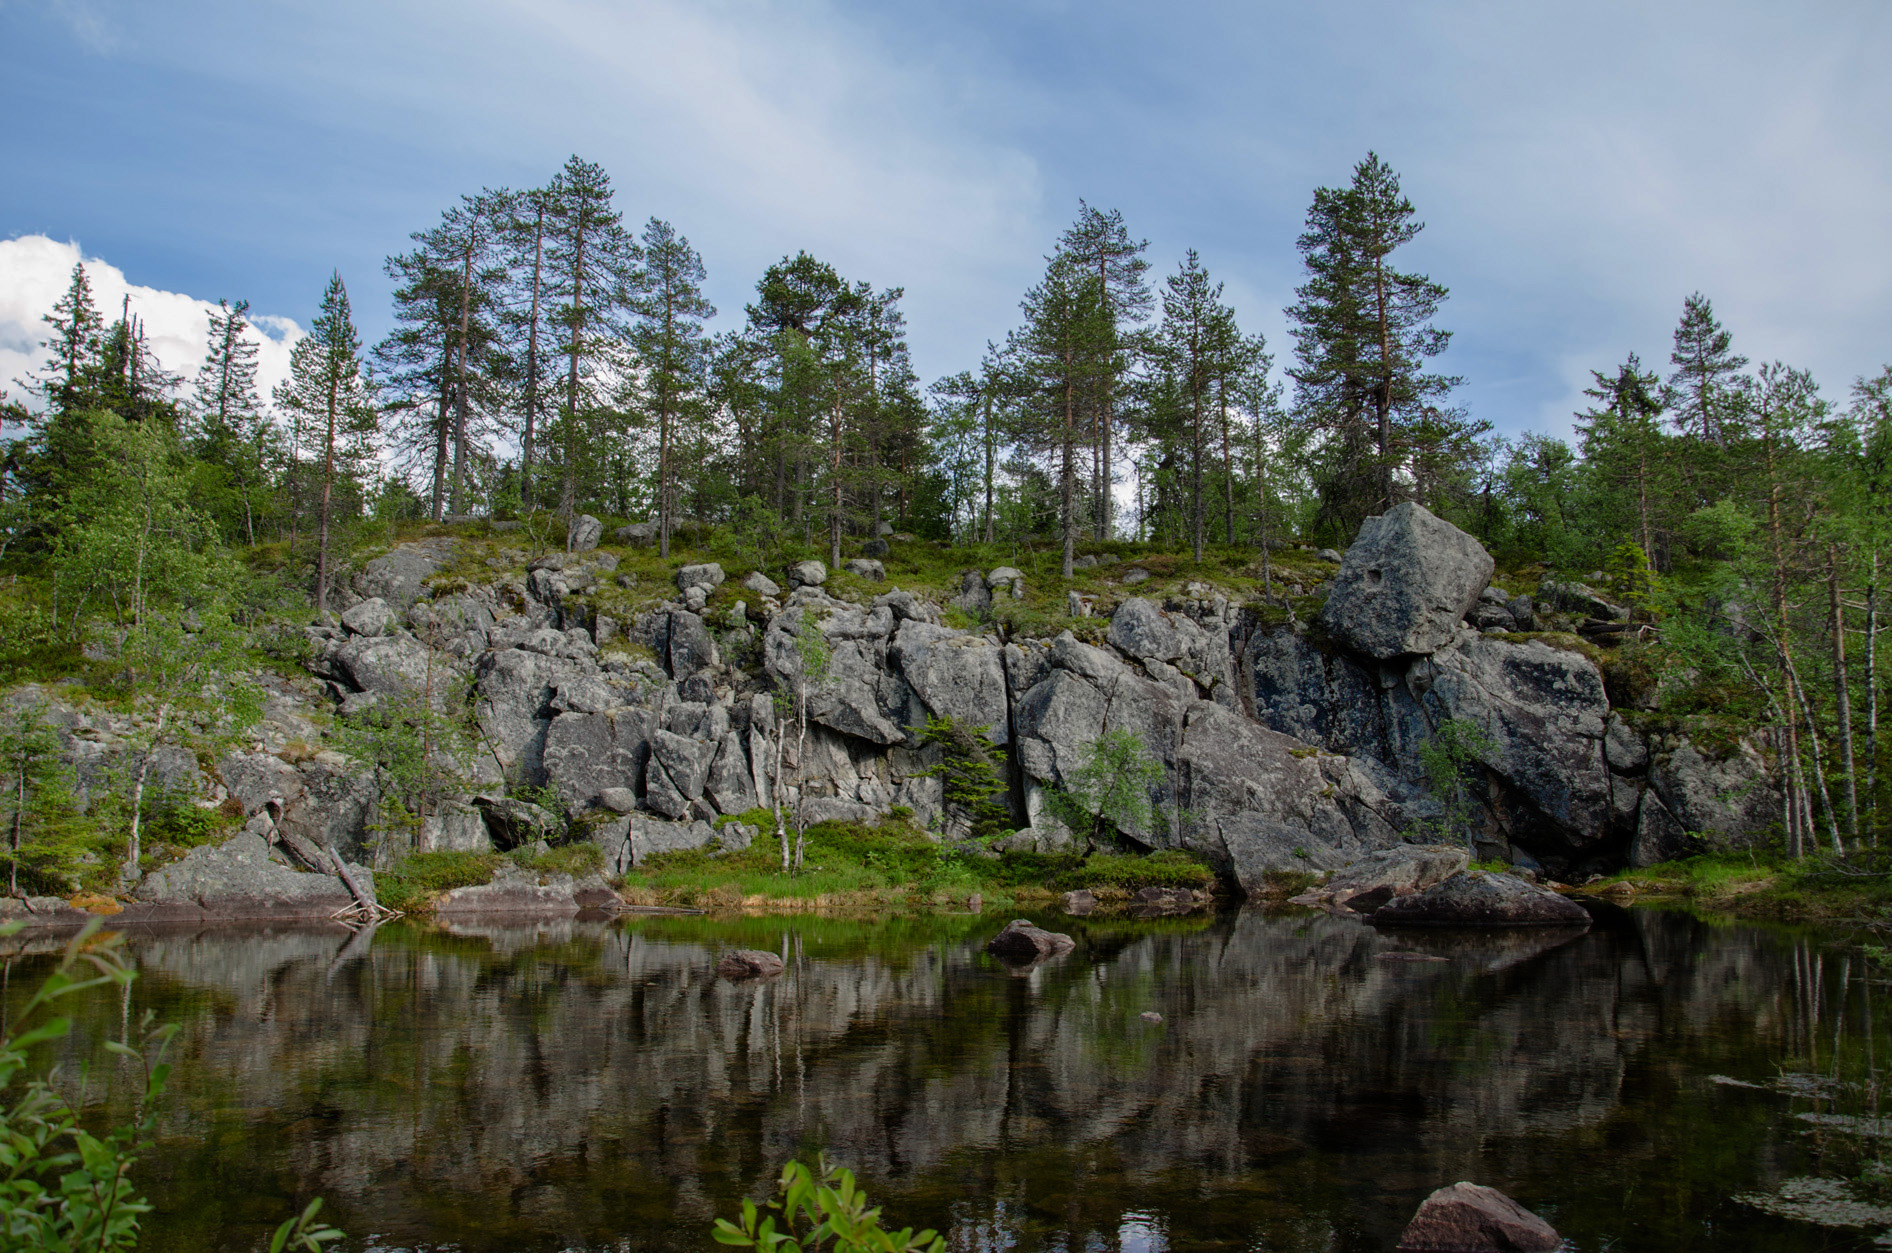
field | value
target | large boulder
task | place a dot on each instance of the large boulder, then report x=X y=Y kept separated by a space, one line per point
x=395 y=664
x=749 y=963
x=1023 y=940
x=513 y=695
x=809 y=573
x=398 y=575
x=708 y=576
x=334 y=807
x=1479 y=898
x=587 y=753
x=684 y=643
x=956 y=675
x=513 y=890
x=1398 y=871
x=583 y=534
x=1471 y=1218
x=1728 y=800
x=371 y=617
x=1405 y=584
x=237 y=880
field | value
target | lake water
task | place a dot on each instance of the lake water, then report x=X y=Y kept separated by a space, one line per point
x=594 y=1086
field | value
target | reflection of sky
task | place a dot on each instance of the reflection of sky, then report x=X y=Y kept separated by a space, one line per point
x=1581 y=168
x=1141 y=1233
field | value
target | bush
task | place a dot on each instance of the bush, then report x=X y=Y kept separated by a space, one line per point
x=830 y=1212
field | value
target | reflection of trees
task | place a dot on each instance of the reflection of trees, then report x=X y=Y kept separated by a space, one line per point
x=597 y=1083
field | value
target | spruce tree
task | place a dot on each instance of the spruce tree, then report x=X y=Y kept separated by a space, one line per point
x=672 y=349
x=232 y=430
x=1623 y=445
x=1191 y=346
x=76 y=343
x=329 y=401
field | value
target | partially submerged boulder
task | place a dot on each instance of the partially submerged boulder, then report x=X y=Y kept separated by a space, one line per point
x=238 y=880
x=1024 y=941
x=1405 y=584
x=1480 y=898
x=1378 y=877
x=513 y=890
x=750 y=963
x=1471 y=1218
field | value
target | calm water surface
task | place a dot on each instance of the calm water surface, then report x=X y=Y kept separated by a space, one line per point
x=594 y=1086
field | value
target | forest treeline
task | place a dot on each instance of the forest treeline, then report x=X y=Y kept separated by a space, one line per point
x=548 y=356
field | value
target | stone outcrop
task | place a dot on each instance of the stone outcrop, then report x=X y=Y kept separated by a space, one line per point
x=239 y=879
x=1479 y=898
x=1471 y=1218
x=1024 y=941
x=749 y=963
x=1377 y=878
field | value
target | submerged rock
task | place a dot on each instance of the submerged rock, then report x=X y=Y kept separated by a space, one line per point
x=1471 y=1218
x=1479 y=898
x=1023 y=940
x=749 y=963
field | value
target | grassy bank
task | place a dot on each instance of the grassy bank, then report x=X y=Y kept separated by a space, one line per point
x=845 y=865
x=1856 y=888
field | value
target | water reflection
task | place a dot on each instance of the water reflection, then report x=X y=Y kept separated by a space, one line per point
x=593 y=1085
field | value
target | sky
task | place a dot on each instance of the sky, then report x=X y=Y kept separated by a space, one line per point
x=1581 y=168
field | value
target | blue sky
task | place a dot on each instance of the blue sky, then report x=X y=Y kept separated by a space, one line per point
x=1582 y=168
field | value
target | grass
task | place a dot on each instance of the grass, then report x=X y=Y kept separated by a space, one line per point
x=893 y=864
x=412 y=885
x=1765 y=884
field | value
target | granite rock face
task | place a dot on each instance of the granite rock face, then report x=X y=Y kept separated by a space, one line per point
x=238 y=879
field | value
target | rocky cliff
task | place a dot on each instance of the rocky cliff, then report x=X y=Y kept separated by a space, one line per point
x=1284 y=745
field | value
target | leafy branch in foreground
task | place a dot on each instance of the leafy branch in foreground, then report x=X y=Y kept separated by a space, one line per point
x=826 y=1213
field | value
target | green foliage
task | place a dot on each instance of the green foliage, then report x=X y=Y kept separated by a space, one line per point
x=304 y=1233
x=418 y=753
x=408 y=885
x=65 y=1189
x=1446 y=756
x=1109 y=793
x=968 y=773
x=45 y=838
x=1165 y=868
x=810 y=1213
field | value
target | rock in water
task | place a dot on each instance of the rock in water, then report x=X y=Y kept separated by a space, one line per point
x=1406 y=868
x=749 y=963
x=1022 y=940
x=1079 y=902
x=1405 y=584
x=1479 y=898
x=1471 y=1218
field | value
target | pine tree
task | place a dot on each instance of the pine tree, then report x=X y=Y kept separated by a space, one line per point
x=1363 y=332
x=590 y=272
x=1707 y=372
x=1059 y=354
x=672 y=349
x=1193 y=345
x=797 y=297
x=1623 y=444
x=1099 y=243
x=329 y=400
x=522 y=219
x=76 y=343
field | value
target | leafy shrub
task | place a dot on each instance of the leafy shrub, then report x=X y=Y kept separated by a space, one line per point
x=826 y=1213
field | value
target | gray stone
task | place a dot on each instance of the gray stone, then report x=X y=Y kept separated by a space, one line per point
x=1140 y=629
x=761 y=584
x=1659 y=837
x=1135 y=575
x=686 y=761
x=638 y=533
x=1085 y=562
x=1471 y=1218
x=619 y=800
x=255 y=778
x=1574 y=597
x=1405 y=584
x=905 y=606
x=395 y=664
x=455 y=826
x=876 y=548
x=370 y=617
x=1479 y=898
x=513 y=890
x=974 y=597
x=708 y=576
x=956 y=675
x=1004 y=576
x=1023 y=940
x=334 y=808
x=398 y=575
x=1730 y=801
x=1523 y=612
x=1328 y=554
x=685 y=644
x=237 y=879
x=514 y=823
x=730 y=785
x=1398 y=871
x=749 y=963
x=586 y=753
x=1624 y=750
x=583 y=534
x=807 y=574
x=866 y=568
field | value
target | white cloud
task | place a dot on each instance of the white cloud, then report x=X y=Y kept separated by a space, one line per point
x=35 y=272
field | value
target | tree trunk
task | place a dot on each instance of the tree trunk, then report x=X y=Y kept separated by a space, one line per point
x=463 y=401
x=1872 y=703
x=328 y=492
x=532 y=363
x=129 y=875
x=1842 y=696
x=990 y=453
x=1068 y=472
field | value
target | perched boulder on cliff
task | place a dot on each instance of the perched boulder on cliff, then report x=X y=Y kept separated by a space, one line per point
x=1471 y=1218
x=1405 y=584
x=1479 y=898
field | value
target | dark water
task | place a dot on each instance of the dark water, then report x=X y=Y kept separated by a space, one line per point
x=593 y=1086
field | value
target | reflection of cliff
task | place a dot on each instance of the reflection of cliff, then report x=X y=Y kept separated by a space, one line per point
x=507 y=1089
